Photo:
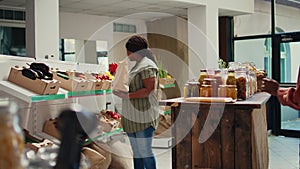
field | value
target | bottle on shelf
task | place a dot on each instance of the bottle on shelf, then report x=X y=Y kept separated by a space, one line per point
x=231 y=78
x=203 y=75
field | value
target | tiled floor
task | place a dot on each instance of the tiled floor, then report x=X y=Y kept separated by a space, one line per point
x=283 y=154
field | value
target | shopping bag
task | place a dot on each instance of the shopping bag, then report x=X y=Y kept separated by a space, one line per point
x=120 y=82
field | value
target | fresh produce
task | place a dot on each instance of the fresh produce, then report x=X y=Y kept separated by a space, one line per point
x=106 y=76
x=102 y=77
x=113 y=114
x=112 y=67
x=162 y=73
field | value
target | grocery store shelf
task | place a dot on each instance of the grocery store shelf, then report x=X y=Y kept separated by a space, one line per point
x=165 y=86
x=85 y=93
x=106 y=136
x=27 y=95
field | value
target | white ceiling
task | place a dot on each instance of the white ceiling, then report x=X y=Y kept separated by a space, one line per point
x=116 y=8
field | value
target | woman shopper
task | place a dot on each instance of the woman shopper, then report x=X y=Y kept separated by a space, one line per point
x=140 y=104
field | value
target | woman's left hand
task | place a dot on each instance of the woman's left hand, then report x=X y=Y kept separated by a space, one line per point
x=123 y=95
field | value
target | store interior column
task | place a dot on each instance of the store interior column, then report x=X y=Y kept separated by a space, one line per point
x=42 y=29
x=202 y=37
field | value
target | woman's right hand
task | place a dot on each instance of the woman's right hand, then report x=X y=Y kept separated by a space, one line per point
x=123 y=95
x=270 y=86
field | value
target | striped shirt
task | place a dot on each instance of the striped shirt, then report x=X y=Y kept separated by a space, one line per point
x=141 y=113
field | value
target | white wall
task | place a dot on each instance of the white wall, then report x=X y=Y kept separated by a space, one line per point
x=91 y=27
x=176 y=28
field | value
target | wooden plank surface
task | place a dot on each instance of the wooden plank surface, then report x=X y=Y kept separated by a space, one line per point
x=243 y=149
x=227 y=139
x=213 y=144
x=237 y=136
x=260 y=153
x=198 y=157
x=256 y=101
x=183 y=139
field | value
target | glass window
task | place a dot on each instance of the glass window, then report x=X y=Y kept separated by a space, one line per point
x=67 y=50
x=102 y=58
x=257 y=51
x=289 y=61
x=290 y=118
x=287 y=15
x=12 y=41
x=258 y=23
x=8 y=14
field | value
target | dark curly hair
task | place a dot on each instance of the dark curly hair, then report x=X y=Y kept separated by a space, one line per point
x=138 y=44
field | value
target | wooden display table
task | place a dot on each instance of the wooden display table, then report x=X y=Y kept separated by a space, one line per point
x=220 y=135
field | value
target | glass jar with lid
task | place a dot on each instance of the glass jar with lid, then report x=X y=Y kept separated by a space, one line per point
x=234 y=65
x=231 y=78
x=228 y=91
x=253 y=83
x=206 y=91
x=11 y=137
x=193 y=89
x=218 y=77
x=242 y=84
x=203 y=75
x=213 y=85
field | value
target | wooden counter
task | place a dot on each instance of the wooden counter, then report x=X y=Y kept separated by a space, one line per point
x=220 y=135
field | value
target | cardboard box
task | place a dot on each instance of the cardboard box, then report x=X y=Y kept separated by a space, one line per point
x=39 y=86
x=108 y=124
x=96 y=84
x=164 y=81
x=72 y=84
x=106 y=84
x=51 y=128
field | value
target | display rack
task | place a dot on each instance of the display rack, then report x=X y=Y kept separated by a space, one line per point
x=35 y=102
x=27 y=95
x=36 y=119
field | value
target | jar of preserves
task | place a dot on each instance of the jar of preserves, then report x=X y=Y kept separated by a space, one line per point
x=193 y=89
x=214 y=87
x=206 y=91
x=218 y=77
x=242 y=84
x=231 y=78
x=252 y=83
x=203 y=75
x=228 y=91
x=11 y=137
